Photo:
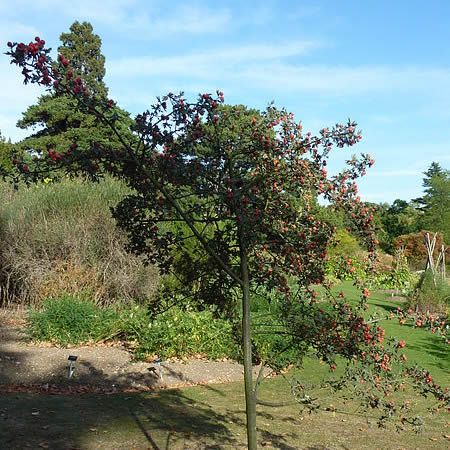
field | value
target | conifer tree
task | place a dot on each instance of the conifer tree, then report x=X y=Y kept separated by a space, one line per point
x=6 y=149
x=57 y=118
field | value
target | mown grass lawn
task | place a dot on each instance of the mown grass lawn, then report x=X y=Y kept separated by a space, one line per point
x=213 y=416
x=423 y=347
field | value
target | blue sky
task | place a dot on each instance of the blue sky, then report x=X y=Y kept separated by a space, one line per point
x=385 y=64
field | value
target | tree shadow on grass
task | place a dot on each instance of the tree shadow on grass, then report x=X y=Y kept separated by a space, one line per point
x=160 y=420
x=434 y=346
x=31 y=417
x=277 y=441
x=384 y=304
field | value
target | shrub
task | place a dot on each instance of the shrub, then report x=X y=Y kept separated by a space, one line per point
x=397 y=276
x=174 y=333
x=414 y=248
x=59 y=238
x=344 y=245
x=432 y=294
x=71 y=320
x=177 y=333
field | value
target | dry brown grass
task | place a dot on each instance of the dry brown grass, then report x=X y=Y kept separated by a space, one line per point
x=61 y=238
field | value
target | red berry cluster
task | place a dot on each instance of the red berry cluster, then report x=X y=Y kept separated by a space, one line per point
x=423 y=319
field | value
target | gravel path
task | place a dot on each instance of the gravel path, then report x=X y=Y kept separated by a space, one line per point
x=101 y=366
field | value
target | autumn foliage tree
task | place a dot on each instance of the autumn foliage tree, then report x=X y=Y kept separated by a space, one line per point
x=242 y=185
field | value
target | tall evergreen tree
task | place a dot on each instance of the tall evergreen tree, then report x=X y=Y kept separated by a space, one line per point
x=434 y=170
x=82 y=48
x=57 y=118
x=437 y=212
x=6 y=150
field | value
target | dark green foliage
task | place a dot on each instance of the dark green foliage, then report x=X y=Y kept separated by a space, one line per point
x=399 y=219
x=82 y=48
x=437 y=213
x=435 y=203
x=6 y=151
x=59 y=120
x=435 y=170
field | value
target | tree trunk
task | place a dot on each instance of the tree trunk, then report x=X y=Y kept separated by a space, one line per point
x=250 y=397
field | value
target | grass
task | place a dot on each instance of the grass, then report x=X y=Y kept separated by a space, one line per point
x=422 y=347
x=212 y=417
x=194 y=418
x=71 y=320
x=60 y=238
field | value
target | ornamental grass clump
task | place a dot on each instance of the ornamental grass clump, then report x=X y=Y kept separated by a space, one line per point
x=59 y=239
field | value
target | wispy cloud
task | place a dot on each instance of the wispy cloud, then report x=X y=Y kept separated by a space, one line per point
x=102 y=11
x=13 y=30
x=188 y=19
x=210 y=63
x=396 y=173
x=342 y=80
x=278 y=68
x=138 y=19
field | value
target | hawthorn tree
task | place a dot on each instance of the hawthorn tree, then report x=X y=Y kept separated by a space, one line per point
x=242 y=184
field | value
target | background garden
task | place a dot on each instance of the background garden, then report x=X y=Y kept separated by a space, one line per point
x=64 y=260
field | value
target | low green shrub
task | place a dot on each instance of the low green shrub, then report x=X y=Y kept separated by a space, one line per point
x=71 y=320
x=398 y=276
x=177 y=333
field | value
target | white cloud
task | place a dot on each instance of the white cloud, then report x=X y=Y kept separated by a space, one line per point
x=278 y=68
x=138 y=19
x=16 y=31
x=341 y=80
x=103 y=11
x=187 y=19
x=396 y=173
x=210 y=63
